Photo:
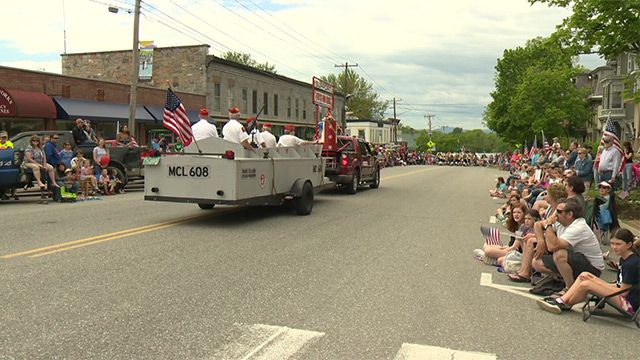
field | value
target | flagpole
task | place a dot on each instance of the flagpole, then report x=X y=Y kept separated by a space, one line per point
x=194 y=138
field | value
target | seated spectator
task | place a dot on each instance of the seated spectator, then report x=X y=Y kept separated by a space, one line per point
x=66 y=155
x=516 y=224
x=556 y=193
x=116 y=183
x=604 y=216
x=105 y=183
x=575 y=188
x=86 y=173
x=77 y=162
x=69 y=185
x=500 y=190
x=4 y=141
x=628 y=278
x=573 y=247
x=36 y=160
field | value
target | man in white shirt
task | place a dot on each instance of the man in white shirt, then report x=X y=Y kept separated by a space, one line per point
x=266 y=135
x=234 y=131
x=289 y=138
x=203 y=129
x=574 y=246
x=610 y=160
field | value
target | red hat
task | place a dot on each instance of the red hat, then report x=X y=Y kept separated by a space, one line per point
x=250 y=120
x=289 y=127
x=266 y=125
x=204 y=112
x=78 y=121
x=234 y=110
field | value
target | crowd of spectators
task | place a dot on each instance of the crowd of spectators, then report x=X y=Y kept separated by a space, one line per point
x=557 y=232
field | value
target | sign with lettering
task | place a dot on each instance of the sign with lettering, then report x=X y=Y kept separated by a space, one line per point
x=146 y=60
x=7 y=105
x=323 y=93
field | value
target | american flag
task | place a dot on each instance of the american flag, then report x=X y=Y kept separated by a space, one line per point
x=175 y=118
x=491 y=235
x=525 y=153
x=545 y=143
x=534 y=145
x=610 y=131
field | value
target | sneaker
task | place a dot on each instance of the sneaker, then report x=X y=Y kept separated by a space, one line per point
x=478 y=254
x=551 y=305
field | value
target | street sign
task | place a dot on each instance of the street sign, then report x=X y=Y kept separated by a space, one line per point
x=431 y=144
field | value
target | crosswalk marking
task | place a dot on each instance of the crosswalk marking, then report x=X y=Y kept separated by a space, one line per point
x=266 y=342
x=415 y=351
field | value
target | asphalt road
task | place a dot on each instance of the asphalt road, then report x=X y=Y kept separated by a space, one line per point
x=358 y=278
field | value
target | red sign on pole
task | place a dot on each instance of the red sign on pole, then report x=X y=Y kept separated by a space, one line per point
x=323 y=93
x=7 y=106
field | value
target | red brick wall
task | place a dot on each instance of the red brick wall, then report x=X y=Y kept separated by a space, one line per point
x=87 y=89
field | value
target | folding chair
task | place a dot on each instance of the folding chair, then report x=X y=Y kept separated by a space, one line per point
x=598 y=309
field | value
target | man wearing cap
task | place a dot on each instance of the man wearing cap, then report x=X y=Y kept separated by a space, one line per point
x=266 y=135
x=610 y=160
x=234 y=131
x=4 y=141
x=203 y=128
x=289 y=138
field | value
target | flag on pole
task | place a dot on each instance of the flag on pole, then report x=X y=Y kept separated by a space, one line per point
x=545 y=143
x=525 y=152
x=175 y=118
x=610 y=131
x=491 y=235
x=534 y=145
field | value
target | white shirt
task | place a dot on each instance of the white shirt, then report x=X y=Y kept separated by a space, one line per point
x=289 y=140
x=235 y=132
x=610 y=160
x=582 y=239
x=203 y=129
x=268 y=138
x=255 y=137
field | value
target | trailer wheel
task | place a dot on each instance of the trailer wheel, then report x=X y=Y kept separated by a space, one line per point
x=355 y=181
x=206 y=206
x=376 y=180
x=304 y=203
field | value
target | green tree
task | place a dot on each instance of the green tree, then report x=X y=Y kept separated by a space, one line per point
x=535 y=91
x=608 y=27
x=473 y=140
x=364 y=102
x=246 y=59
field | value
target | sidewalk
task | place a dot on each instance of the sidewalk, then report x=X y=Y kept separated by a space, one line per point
x=633 y=225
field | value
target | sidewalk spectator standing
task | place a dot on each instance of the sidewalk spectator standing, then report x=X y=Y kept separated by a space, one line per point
x=53 y=156
x=79 y=136
x=4 y=141
x=584 y=168
x=627 y=173
x=203 y=128
x=100 y=157
x=610 y=160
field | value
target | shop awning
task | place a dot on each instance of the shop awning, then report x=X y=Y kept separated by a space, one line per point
x=97 y=110
x=158 y=112
x=26 y=104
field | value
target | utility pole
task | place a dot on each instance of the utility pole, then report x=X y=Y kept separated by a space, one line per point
x=135 y=63
x=344 y=89
x=394 y=108
x=429 y=116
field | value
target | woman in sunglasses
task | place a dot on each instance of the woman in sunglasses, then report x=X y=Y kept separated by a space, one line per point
x=36 y=160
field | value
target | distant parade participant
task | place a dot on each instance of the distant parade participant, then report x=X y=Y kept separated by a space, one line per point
x=289 y=138
x=266 y=135
x=234 y=131
x=203 y=128
x=256 y=140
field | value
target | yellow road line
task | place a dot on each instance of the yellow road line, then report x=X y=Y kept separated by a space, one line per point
x=119 y=234
x=406 y=174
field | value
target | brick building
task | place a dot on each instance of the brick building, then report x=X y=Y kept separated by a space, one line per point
x=225 y=84
x=36 y=100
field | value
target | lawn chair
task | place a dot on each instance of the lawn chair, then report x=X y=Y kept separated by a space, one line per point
x=598 y=309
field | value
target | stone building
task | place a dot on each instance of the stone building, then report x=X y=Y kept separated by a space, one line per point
x=224 y=83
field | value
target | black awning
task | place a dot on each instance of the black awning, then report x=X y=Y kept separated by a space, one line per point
x=97 y=110
x=157 y=112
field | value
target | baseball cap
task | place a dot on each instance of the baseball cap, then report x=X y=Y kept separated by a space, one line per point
x=204 y=112
x=604 y=183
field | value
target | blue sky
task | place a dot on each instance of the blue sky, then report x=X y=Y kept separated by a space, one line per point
x=423 y=53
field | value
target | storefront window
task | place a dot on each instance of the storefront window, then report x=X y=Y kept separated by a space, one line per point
x=17 y=125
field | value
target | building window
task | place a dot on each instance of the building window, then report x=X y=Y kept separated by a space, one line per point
x=230 y=99
x=361 y=133
x=616 y=96
x=275 y=104
x=245 y=101
x=216 y=97
x=265 y=99
x=304 y=109
x=297 y=109
x=254 y=101
x=631 y=63
x=289 y=107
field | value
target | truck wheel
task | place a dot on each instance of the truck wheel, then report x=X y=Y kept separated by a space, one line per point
x=206 y=206
x=376 y=179
x=304 y=203
x=352 y=187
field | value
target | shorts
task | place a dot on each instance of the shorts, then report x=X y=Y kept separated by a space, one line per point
x=626 y=305
x=578 y=262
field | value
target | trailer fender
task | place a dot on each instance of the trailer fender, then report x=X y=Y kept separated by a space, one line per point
x=296 y=189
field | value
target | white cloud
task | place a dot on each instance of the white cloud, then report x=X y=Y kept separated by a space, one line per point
x=421 y=51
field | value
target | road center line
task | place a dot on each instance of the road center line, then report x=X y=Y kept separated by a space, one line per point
x=407 y=174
